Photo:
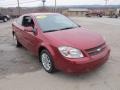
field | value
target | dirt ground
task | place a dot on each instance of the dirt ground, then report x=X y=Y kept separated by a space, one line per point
x=20 y=70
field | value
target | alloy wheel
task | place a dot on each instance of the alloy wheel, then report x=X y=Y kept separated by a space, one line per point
x=46 y=61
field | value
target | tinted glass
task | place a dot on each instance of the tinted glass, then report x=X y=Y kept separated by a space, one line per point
x=54 y=22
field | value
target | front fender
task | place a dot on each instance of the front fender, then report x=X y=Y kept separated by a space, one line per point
x=50 y=48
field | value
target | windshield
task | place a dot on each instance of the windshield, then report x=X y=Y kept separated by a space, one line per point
x=55 y=22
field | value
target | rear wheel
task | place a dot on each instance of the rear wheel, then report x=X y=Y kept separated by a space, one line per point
x=47 y=61
x=18 y=44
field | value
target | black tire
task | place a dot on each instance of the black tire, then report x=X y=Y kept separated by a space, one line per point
x=5 y=19
x=116 y=16
x=100 y=16
x=18 y=44
x=52 y=67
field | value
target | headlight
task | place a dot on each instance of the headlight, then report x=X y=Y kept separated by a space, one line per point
x=70 y=52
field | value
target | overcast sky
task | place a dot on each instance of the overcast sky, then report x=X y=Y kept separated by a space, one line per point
x=13 y=3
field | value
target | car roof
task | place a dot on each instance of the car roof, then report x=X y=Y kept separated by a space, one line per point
x=38 y=14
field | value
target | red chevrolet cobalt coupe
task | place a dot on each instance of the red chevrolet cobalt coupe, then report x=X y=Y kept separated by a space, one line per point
x=60 y=43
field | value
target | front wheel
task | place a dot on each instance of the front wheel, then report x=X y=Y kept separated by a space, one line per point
x=47 y=61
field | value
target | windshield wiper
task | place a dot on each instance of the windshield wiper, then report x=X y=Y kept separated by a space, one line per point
x=59 y=29
x=50 y=31
x=67 y=28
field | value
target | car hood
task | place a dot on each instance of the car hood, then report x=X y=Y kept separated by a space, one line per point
x=77 y=38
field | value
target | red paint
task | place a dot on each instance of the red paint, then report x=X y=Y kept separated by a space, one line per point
x=78 y=38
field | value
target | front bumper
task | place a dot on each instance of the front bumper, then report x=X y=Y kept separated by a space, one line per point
x=84 y=64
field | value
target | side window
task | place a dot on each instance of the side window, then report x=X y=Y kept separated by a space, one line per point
x=19 y=20
x=27 y=21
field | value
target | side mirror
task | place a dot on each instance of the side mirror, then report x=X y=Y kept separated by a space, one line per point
x=28 y=29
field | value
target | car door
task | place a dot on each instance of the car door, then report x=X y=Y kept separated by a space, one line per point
x=18 y=29
x=1 y=16
x=31 y=40
x=21 y=33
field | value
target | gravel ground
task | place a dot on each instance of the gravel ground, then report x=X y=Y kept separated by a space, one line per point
x=20 y=70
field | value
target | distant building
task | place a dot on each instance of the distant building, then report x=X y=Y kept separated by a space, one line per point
x=94 y=11
x=75 y=12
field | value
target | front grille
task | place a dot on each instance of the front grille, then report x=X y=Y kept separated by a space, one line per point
x=96 y=50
